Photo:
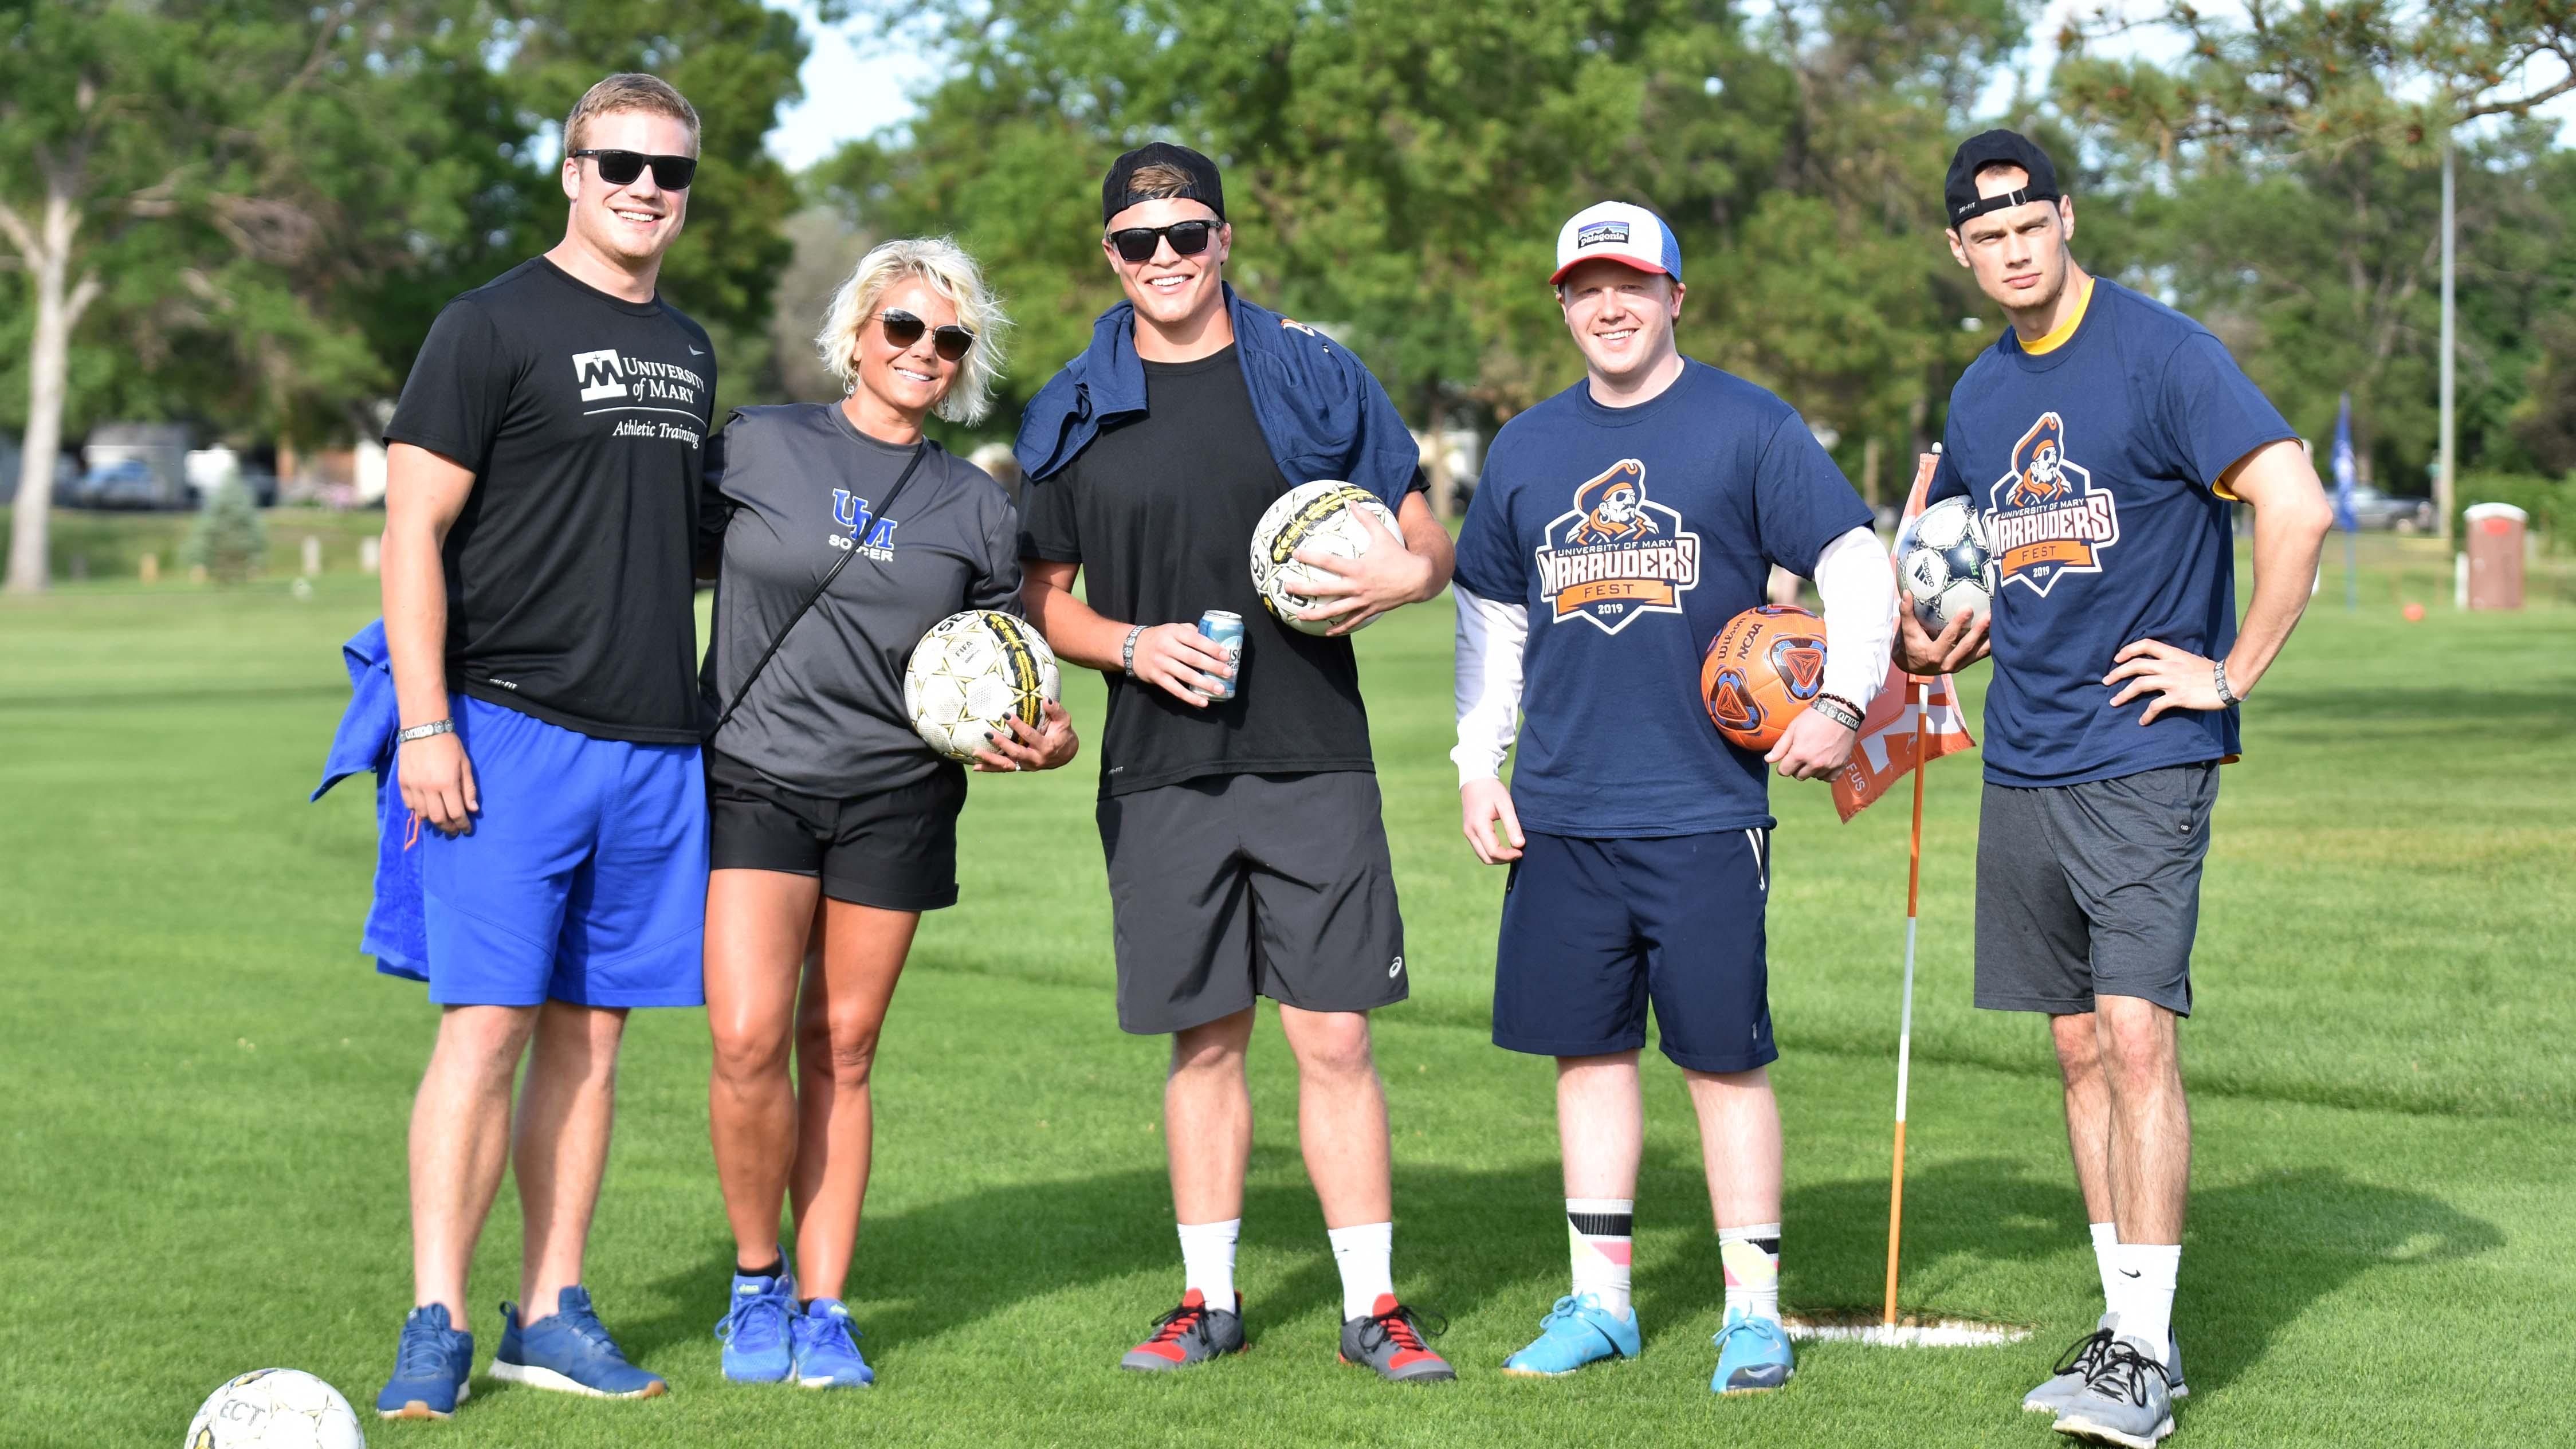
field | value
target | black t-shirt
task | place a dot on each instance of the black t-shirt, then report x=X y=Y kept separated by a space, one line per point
x=1159 y=512
x=794 y=490
x=570 y=569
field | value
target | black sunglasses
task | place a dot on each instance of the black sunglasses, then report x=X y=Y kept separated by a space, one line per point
x=902 y=329
x=1138 y=243
x=620 y=168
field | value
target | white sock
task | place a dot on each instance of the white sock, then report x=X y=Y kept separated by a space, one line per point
x=1751 y=1255
x=2106 y=1250
x=1599 y=1231
x=1207 y=1256
x=1366 y=1256
x=2147 y=1272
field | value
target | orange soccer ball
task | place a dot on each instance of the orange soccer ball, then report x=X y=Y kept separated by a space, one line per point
x=1761 y=671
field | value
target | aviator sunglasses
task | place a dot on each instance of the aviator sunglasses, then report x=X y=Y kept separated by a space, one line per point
x=902 y=329
x=1137 y=243
x=620 y=168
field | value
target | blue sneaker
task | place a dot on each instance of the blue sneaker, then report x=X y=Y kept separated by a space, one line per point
x=754 y=1330
x=1752 y=1356
x=827 y=1354
x=1577 y=1331
x=430 y=1368
x=570 y=1353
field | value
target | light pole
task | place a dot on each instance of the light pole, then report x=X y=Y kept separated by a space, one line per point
x=2443 y=481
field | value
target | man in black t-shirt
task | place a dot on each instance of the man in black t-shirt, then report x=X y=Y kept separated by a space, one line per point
x=1246 y=856
x=540 y=516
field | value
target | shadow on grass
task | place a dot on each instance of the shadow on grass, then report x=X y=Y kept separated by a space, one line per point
x=2259 y=1254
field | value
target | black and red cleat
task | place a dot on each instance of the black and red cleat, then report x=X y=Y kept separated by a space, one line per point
x=1191 y=1333
x=1389 y=1340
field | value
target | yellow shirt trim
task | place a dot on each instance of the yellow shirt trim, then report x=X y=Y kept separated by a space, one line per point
x=2058 y=334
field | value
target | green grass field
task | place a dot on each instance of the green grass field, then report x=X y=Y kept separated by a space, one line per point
x=203 y=1092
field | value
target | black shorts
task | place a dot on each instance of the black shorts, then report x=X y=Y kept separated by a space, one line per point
x=895 y=850
x=2091 y=889
x=1232 y=886
x=1594 y=929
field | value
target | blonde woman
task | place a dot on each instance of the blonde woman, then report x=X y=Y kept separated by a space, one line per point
x=832 y=826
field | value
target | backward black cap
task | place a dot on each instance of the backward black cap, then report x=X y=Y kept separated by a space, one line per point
x=1959 y=199
x=1204 y=185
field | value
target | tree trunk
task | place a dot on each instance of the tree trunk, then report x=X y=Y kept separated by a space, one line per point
x=1869 y=471
x=58 y=310
x=1444 y=485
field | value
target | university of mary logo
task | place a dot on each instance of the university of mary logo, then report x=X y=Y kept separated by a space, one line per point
x=2045 y=517
x=615 y=382
x=1616 y=553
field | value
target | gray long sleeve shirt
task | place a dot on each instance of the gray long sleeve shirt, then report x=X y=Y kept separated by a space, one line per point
x=791 y=489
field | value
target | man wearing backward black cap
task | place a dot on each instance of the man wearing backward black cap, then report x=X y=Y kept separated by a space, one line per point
x=2103 y=439
x=1241 y=825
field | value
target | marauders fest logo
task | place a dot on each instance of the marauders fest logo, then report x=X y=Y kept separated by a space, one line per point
x=1616 y=553
x=2046 y=519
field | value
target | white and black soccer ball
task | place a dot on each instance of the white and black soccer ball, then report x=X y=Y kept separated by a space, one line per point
x=974 y=673
x=1320 y=517
x=1945 y=564
x=275 y=1408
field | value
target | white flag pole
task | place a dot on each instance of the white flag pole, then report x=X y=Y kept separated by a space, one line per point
x=1916 y=697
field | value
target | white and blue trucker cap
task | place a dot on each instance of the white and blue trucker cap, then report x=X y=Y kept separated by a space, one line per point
x=1622 y=232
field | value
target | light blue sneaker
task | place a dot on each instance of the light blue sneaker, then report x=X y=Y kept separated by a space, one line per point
x=1577 y=1331
x=1752 y=1356
x=827 y=1354
x=570 y=1353
x=430 y=1368
x=757 y=1346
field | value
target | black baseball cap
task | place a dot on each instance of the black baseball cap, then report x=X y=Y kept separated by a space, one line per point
x=1204 y=185
x=1959 y=199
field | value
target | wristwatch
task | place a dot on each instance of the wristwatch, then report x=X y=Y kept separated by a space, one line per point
x=1127 y=651
x=1838 y=709
x=2226 y=696
x=424 y=731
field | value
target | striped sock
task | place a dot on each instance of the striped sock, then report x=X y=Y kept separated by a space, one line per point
x=1597 y=1231
x=1752 y=1258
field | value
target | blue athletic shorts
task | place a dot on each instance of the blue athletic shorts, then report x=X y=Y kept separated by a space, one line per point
x=1595 y=928
x=585 y=878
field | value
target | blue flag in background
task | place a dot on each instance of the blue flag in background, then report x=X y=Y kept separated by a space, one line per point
x=2343 y=467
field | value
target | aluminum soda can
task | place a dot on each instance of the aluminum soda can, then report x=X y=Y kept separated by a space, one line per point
x=1227 y=630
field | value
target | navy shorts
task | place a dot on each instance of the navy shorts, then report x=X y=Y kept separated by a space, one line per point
x=585 y=878
x=1594 y=929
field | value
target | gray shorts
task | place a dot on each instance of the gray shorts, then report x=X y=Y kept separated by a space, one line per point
x=2091 y=889
x=1231 y=886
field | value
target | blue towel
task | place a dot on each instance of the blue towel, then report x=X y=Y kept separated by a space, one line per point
x=397 y=934
x=1320 y=409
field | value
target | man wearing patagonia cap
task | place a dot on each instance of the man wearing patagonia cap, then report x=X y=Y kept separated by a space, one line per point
x=1245 y=850
x=1618 y=526
x=2105 y=437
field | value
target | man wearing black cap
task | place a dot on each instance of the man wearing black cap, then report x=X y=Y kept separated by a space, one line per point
x=1246 y=856
x=2104 y=438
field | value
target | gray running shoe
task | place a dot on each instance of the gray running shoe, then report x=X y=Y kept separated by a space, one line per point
x=2076 y=1364
x=2125 y=1401
x=1190 y=1334
x=1389 y=1340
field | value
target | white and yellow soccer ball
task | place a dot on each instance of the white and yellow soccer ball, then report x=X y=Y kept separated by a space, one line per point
x=974 y=673
x=1945 y=564
x=275 y=1408
x=1320 y=517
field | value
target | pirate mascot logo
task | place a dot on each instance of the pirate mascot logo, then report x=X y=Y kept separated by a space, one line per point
x=2048 y=519
x=1616 y=553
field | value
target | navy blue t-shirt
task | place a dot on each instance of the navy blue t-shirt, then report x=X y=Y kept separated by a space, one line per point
x=2096 y=465
x=1633 y=535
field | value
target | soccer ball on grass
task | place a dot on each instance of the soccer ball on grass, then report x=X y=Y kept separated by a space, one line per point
x=275 y=1408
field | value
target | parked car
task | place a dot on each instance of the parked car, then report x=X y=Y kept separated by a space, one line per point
x=126 y=483
x=2373 y=510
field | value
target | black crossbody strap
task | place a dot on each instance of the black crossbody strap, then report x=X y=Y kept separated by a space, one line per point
x=918 y=454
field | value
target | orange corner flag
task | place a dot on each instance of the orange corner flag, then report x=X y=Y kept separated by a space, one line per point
x=1914 y=720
